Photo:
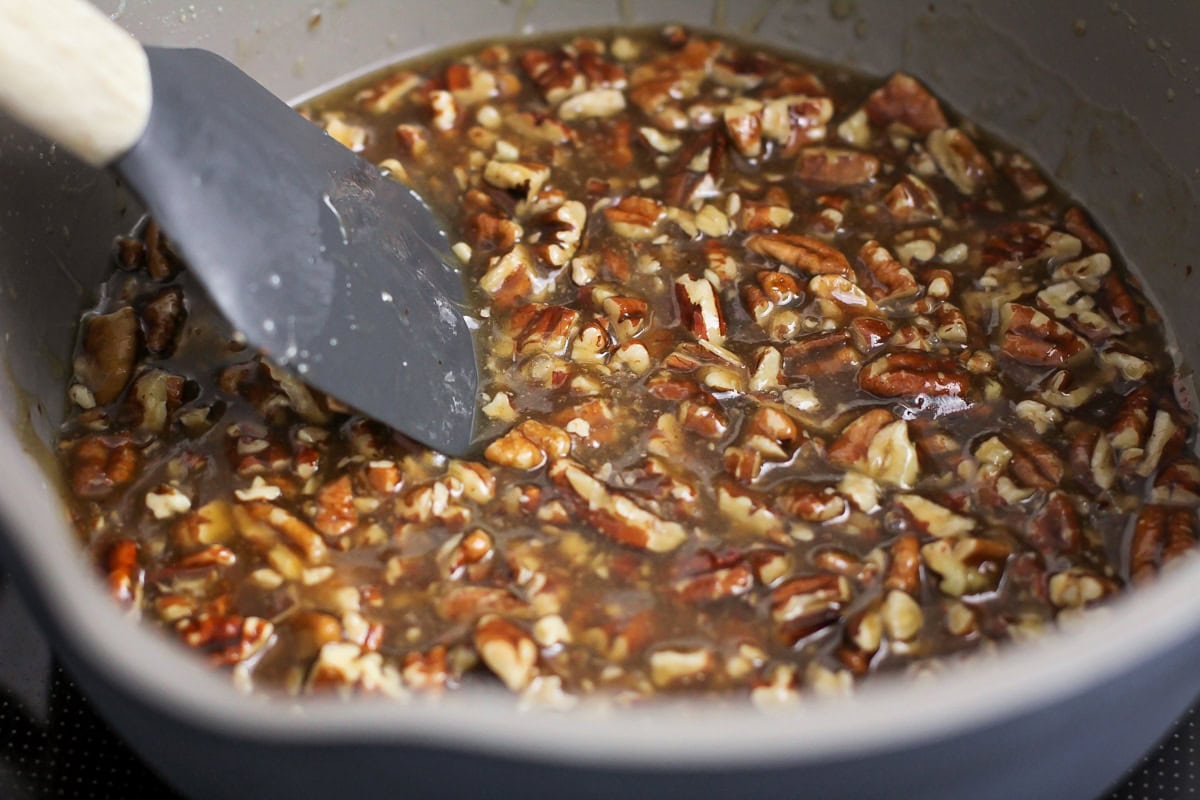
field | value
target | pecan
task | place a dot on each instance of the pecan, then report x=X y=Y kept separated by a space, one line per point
x=469 y=603
x=703 y=415
x=1178 y=483
x=509 y=277
x=714 y=584
x=839 y=562
x=959 y=159
x=1129 y=432
x=635 y=217
x=869 y=333
x=507 y=650
x=910 y=374
x=805 y=604
x=838 y=296
x=1025 y=176
x=743 y=123
x=748 y=510
x=933 y=519
x=893 y=280
x=210 y=524
x=108 y=350
x=521 y=179
x=770 y=291
x=209 y=557
x=1091 y=457
x=592 y=103
x=387 y=94
x=336 y=513
x=427 y=671
x=468 y=554
x=470 y=84
x=543 y=329
x=811 y=503
x=1077 y=224
x=1067 y=301
x=166 y=501
x=155 y=395
x=1035 y=464
x=904 y=573
x=700 y=308
x=488 y=232
x=444 y=110
x=864 y=634
x=130 y=253
x=627 y=315
x=1031 y=337
x=902 y=616
x=912 y=201
x=764 y=217
x=528 y=446
x=775 y=427
x=1061 y=391
x=161 y=263
x=796 y=119
x=123 y=572
x=472 y=479
x=680 y=667
x=347 y=665
x=413 y=140
x=952 y=328
x=614 y=513
x=1056 y=528
x=820 y=354
x=799 y=251
x=836 y=167
x=162 y=318
x=1079 y=587
x=1125 y=307
x=100 y=464
x=1160 y=535
x=261 y=521
x=967 y=566
x=850 y=448
x=903 y=99
x=1021 y=241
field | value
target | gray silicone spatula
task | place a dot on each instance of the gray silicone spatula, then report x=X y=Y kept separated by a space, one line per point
x=334 y=270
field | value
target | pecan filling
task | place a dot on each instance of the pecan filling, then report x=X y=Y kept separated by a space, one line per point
x=789 y=380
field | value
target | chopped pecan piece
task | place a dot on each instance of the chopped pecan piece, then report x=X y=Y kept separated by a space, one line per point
x=336 y=513
x=1031 y=337
x=108 y=350
x=959 y=159
x=635 y=217
x=101 y=464
x=1160 y=535
x=903 y=99
x=700 y=308
x=913 y=374
x=836 y=167
x=802 y=252
x=614 y=513
x=893 y=280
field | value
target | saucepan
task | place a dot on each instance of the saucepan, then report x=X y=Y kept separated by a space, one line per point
x=1106 y=97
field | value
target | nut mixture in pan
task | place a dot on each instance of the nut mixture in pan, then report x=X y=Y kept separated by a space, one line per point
x=788 y=380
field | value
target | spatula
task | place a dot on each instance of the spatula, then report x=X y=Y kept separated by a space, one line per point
x=333 y=269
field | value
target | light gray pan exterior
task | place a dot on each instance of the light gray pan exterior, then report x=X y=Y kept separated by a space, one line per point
x=1105 y=95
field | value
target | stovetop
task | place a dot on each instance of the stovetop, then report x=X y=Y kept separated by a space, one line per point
x=53 y=745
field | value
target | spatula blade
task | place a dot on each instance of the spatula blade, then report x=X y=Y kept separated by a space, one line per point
x=334 y=270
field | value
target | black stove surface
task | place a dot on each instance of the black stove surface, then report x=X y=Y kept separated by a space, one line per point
x=53 y=745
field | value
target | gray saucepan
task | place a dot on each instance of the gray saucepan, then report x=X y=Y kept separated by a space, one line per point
x=1104 y=95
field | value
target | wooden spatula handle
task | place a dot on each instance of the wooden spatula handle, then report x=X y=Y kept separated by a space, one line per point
x=73 y=75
